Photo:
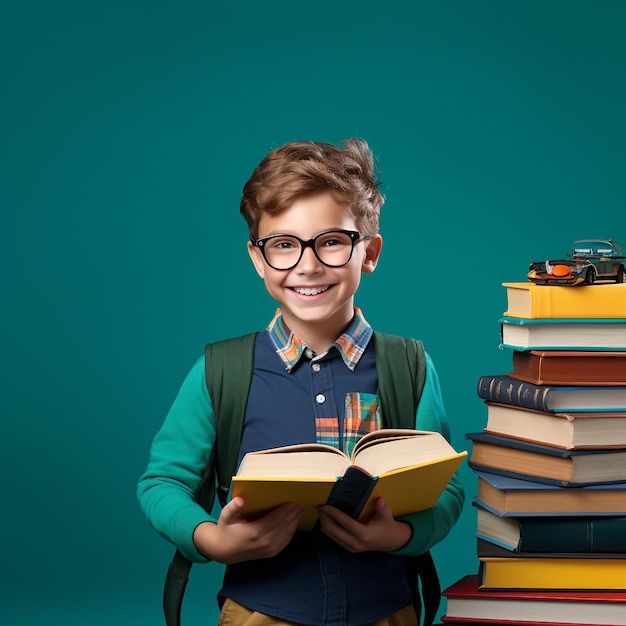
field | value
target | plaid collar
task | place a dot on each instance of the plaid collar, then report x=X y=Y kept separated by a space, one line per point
x=350 y=345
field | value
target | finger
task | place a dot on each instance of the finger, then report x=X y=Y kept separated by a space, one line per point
x=282 y=520
x=292 y=516
x=381 y=510
x=348 y=538
x=233 y=511
x=277 y=530
x=339 y=517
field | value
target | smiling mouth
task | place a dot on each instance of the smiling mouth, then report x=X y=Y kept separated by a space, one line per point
x=311 y=291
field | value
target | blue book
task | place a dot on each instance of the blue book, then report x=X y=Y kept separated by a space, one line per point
x=517 y=497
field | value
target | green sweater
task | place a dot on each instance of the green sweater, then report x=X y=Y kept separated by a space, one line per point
x=181 y=449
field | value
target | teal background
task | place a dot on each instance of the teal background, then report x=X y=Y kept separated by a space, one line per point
x=128 y=130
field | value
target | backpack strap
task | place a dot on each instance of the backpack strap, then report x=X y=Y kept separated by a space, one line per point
x=401 y=366
x=228 y=383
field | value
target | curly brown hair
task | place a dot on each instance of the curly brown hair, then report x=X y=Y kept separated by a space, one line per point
x=303 y=168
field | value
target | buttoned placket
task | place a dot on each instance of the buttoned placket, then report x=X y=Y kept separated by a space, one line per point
x=323 y=390
x=325 y=405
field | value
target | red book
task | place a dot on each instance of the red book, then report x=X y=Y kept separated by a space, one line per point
x=466 y=604
x=569 y=367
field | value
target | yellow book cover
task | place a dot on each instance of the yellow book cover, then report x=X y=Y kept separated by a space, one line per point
x=552 y=573
x=409 y=468
x=533 y=301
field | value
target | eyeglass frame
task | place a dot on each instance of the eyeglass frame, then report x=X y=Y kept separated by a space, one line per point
x=354 y=235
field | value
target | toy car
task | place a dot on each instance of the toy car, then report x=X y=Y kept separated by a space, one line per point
x=605 y=254
x=562 y=272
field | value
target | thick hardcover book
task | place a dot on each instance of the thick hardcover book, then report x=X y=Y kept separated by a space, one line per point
x=486 y=548
x=516 y=497
x=551 y=301
x=598 y=335
x=467 y=604
x=532 y=461
x=577 y=430
x=552 y=534
x=508 y=390
x=569 y=367
x=567 y=573
x=409 y=468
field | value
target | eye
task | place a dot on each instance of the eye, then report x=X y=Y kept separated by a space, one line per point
x=333 y=240
x=281 y=243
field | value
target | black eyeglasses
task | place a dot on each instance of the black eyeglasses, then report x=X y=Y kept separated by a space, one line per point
x=332 y=248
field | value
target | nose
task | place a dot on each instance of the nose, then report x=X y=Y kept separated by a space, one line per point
x=309 y=262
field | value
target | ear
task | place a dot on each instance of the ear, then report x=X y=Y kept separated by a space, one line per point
x=372 y=254
x=257 y=259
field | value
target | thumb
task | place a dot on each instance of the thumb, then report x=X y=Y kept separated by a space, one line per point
x=381 y=507
x=233 y=509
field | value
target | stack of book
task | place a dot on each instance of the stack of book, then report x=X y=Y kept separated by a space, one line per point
x=551 y=465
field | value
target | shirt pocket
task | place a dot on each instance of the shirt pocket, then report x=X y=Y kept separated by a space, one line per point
x=363 y=415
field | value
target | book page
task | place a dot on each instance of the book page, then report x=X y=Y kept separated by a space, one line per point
x=297 y=462
x=396 y=453
x=519 y=302
x=385 y=434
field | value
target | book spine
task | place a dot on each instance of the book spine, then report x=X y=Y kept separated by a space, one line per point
x=352 y=490
x=552 y=573
x=606 y=535
x=579 y=369
x=507 y=390
x=541 y=302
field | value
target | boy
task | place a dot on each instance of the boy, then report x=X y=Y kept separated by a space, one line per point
x=312 y=211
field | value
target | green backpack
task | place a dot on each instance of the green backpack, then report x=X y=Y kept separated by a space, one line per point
x=401 y=367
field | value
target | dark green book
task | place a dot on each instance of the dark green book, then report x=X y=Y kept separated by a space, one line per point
x=597 y=534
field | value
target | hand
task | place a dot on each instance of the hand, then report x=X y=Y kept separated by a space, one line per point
x=234 y=539
x=380 y=532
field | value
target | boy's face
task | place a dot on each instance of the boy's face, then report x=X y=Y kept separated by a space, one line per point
x=317 y=301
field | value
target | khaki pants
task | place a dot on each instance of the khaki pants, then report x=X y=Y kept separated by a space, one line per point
x=234 y=614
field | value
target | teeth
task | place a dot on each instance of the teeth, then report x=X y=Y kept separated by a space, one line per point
x=310 y=291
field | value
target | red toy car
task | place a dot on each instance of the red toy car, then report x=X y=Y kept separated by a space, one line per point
x=562 y=272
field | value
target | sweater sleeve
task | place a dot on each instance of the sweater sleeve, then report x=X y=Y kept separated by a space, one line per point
x=178 y=457
x=431 y=526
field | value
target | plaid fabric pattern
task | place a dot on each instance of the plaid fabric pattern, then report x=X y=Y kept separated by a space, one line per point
x=362 y=410
x=354 y=341
x=289 y=346
x=363 y=415
x=327 y=430
x=351 y=344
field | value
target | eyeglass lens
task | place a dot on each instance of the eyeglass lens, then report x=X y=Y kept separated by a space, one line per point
x=332 y=248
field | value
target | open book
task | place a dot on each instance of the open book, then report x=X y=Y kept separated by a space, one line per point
x=409 y=468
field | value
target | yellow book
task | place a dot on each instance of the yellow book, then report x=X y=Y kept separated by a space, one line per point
x=599 y=301
x=538 y=572
x=409 y=468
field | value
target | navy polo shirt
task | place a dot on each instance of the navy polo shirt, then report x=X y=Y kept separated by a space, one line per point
x=313 y=580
